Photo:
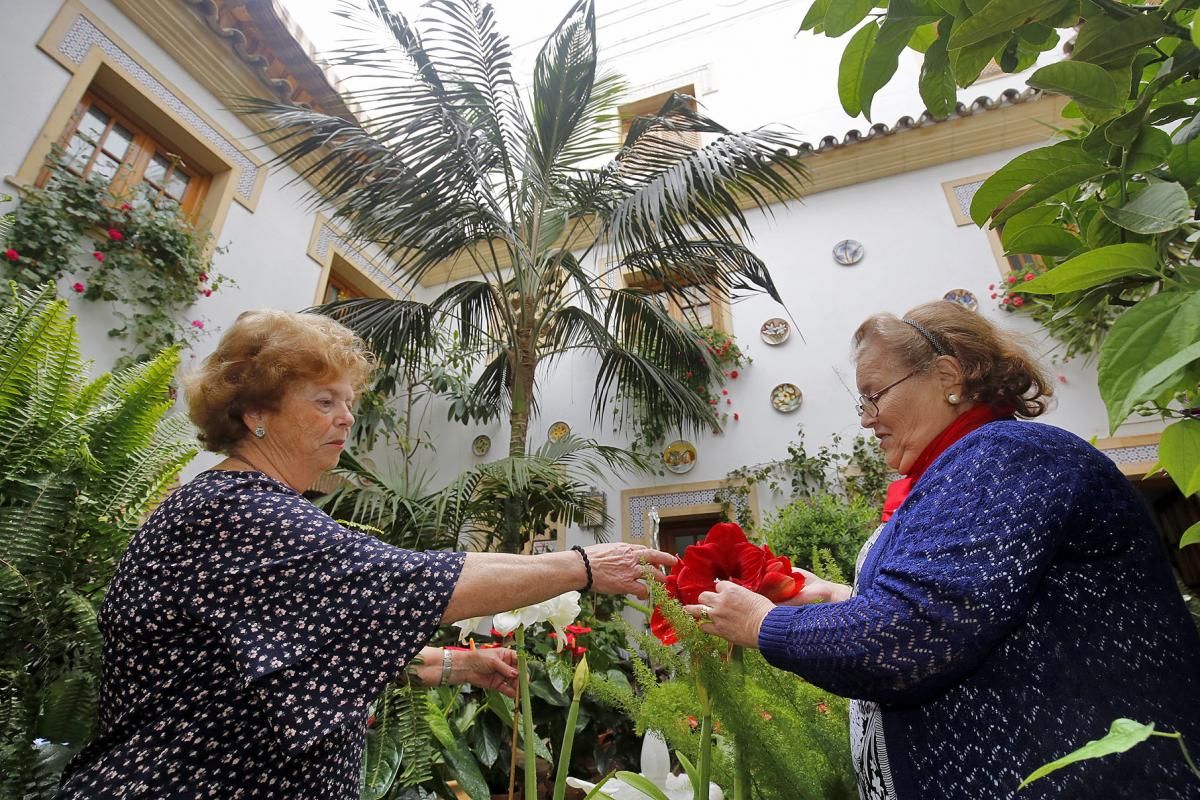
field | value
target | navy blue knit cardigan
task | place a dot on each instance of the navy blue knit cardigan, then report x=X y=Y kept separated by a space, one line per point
x=1017 y=603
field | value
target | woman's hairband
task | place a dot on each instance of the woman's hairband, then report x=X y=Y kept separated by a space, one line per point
x=919 y=328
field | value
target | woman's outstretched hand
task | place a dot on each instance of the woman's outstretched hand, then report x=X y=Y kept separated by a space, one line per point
x=617 y=568
x=817 y=590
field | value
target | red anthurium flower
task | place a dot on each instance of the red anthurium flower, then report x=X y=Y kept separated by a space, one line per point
x=578 y=630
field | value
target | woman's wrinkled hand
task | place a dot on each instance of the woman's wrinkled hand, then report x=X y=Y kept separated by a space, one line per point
x=490 y=668
x=817 y=590
x=617 y=568
x=732 y=612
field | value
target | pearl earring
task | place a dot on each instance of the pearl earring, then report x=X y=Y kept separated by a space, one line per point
x=260 y=431
x=952 y=399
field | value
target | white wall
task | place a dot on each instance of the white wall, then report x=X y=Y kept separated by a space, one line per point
x=266 y=248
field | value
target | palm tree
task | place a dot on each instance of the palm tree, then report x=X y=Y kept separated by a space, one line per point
x=450 y=162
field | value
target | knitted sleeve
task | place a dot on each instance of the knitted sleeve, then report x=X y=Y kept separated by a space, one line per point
x=961 y=567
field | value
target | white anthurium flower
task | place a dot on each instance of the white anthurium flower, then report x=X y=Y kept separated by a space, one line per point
x=467 y=627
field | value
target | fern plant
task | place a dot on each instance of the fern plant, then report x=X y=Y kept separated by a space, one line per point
x=81 y=462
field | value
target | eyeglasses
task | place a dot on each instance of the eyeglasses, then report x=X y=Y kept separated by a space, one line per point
x=869 y=403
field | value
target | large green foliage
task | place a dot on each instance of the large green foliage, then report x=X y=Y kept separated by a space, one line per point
x=81 y=462
x=1111 y=211
x=824 y=522
x=538 y=203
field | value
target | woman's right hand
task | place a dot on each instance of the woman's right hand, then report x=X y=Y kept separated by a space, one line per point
x=617 y=567
x=817 y=590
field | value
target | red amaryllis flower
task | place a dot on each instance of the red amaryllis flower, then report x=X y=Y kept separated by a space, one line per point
x=726 y=555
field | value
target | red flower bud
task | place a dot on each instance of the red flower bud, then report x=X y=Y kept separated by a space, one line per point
x=1018 y=301
x=203 y=277
x=208 y=292
x=991 y=286
x=736 y=416
x=1062 y=378
x=11 y=255
x=115 y=234
x=1029 y=276
x=1012 y=279
x=198 y=324
x=734 y=374
x=724 y=391
x=98 y=255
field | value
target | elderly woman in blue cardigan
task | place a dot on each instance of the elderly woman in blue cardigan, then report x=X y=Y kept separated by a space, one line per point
x=1015 y=600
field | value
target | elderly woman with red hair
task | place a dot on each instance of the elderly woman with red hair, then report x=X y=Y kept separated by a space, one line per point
x=245 y=630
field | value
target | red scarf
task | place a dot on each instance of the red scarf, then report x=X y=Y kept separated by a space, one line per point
x=897 y=491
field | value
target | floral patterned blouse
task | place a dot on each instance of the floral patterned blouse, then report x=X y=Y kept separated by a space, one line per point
x=244 y=634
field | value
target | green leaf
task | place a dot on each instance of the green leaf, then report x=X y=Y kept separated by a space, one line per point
x=1160 y=207
x=1124 y=130
x=1095 y=268
x=936 y=83
x=1184 y=90
x=850 y=71
x=968 y=62
x=1196 y=31
x=1149 y=151
x=459 y=758
x=884 y=57
x=1104 y=39
x=923 y=37
x=1043 y=240
x=1190 y=536
x=1184 y=161
x=815 y=18
x=1047 y=171
x=1147 y=347
x=642 y=784
x=1001 y=17
x=1179 y=454
x=843 y=15
x=1087 y=84
x=1122 y=735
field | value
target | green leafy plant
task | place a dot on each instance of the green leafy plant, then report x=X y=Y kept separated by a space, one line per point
x=859 y=473
x=81 y=463
x=1123 y=735
x=148 y=262
x=821 y=530
x=755 y=710
x=540 y=203
x=1111 y=210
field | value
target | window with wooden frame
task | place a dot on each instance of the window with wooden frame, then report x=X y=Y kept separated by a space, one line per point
x=959 y=194
x=699 y=306
x=102 y=141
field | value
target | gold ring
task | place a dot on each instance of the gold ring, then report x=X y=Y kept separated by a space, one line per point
x=704 y=615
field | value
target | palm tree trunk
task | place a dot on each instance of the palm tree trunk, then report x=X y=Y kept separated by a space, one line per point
x=524 y=364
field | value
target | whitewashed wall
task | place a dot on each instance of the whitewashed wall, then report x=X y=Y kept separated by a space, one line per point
x=266 y=248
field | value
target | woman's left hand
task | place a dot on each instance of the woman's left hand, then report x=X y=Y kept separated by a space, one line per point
x=733 y=612
x=490 y=668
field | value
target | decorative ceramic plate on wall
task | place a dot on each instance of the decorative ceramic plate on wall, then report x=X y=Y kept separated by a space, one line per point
x=679 y=456
x=481 y=445
x=848 y=252
x=786 y=397
x=775 y=331
x=963 y=298
x=558 y=431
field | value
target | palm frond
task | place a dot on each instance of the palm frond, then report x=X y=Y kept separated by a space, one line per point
x=399 y=332
x=728 y=265
x=563 y=78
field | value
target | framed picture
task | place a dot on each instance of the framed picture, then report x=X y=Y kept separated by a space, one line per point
x=544 y=546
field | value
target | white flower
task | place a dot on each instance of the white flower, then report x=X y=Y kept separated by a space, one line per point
x=559 y=611
x=467 y=627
